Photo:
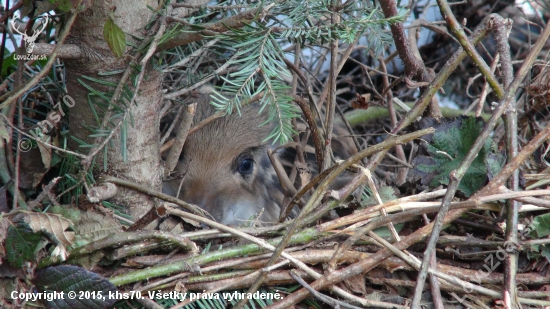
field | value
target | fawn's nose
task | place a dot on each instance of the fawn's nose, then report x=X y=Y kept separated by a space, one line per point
x=228 y=203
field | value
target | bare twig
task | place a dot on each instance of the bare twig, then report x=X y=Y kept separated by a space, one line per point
x=502 y=30
x=45 y=190
x=195 y=54
x=401 y=172
x=144 y=189
x=210 y=7
x=413 y=65
x=221 y=70
x=175 y=151
x=331 y=102
x=171 y=127
x=310 y=120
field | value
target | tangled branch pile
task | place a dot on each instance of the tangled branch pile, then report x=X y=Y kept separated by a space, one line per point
x=456 y=196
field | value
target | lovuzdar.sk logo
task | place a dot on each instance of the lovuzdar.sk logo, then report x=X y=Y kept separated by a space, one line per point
x=29 y=40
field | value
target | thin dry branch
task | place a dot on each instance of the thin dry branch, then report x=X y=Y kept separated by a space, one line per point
x=175 y=150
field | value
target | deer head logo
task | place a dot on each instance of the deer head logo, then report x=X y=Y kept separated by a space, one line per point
x=29 y=40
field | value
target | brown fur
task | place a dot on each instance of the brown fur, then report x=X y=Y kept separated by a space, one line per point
x=210 y=165
x=210 y=161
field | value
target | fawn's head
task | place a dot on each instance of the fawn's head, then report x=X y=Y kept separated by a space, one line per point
x=226 y=170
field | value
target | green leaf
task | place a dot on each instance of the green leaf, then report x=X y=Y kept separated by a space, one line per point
x=114 y=37
x=21 y=244
x=62 y=5
x=541 y=226
x=73 y=279
x=67 y=212
x=385 y=232
x=448 y=147
x=546 y=252
x=533 y=252
x=386 y=193
x=8 y=62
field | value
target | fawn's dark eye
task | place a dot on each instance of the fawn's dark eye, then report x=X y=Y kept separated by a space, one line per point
x=245 y=166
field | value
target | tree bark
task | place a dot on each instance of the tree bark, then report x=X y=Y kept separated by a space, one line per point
x=143 y=159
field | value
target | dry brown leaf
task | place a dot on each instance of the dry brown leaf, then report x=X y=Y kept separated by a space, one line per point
x=356 y=284
x=53 y=225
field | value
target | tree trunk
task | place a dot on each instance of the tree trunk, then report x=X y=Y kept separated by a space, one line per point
x=143 y=160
